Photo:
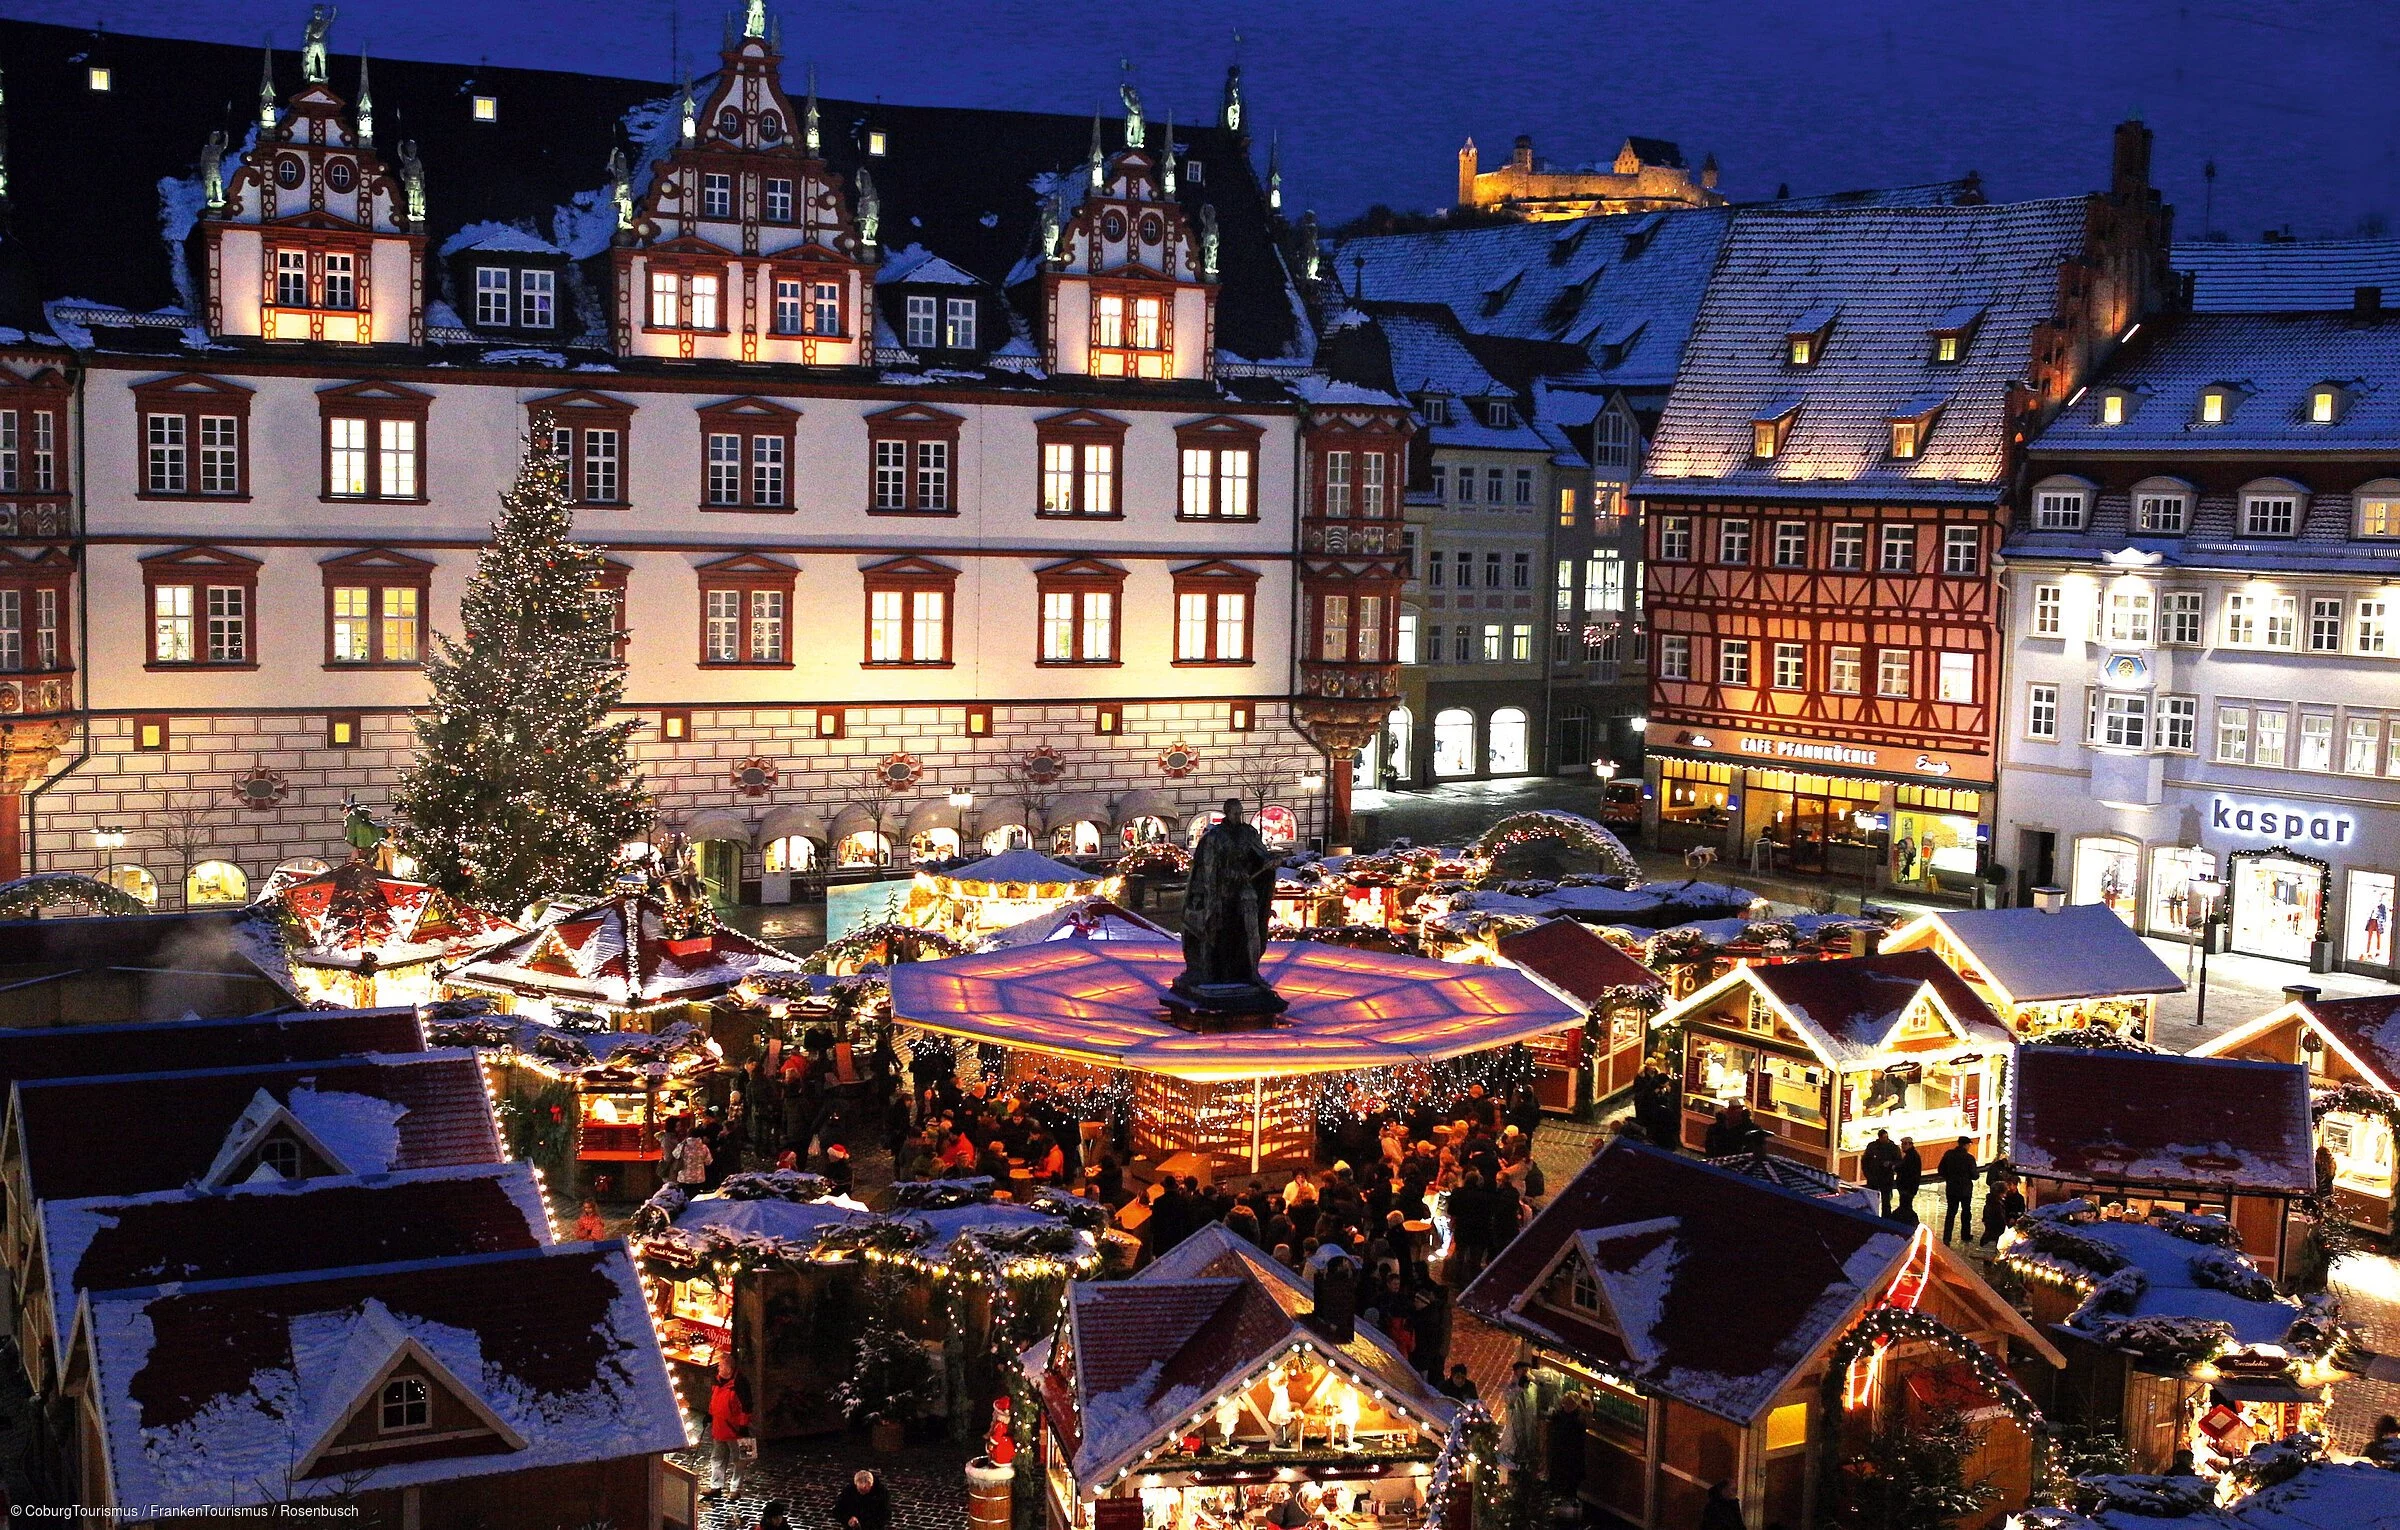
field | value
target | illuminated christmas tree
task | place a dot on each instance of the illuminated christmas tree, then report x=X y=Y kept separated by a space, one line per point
x=521 y=789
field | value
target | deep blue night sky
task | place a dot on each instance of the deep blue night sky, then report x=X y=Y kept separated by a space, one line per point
x=2298 y=104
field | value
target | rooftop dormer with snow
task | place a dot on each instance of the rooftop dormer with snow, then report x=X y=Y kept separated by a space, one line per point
x=306 y=235
x=1128 y=286
x=741 y=244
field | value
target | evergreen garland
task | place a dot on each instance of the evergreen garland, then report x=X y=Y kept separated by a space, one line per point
x=522 y=789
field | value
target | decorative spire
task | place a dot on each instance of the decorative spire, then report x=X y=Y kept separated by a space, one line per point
x=366 y=102
x=815 y=140
x=266 y=90
x=312 y=44
x=1094 y=160
x=754 y=22
x=1166 y=162
x=1311 y=261
x=1275 y=171
x=1233 y=97
x=691 y=113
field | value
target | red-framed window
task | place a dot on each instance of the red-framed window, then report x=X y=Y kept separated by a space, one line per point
x=593 y=433
x=912 y=457
x=1217 y=470
x=809 y=301
x=1079 y=620
x=1355 y=624
x=201 y=606
x=33 y=414
x=342 y=730
x=1081 y=469
x=746 y=612
x=375 y=609
x=909 y=605
x=1359 y=474
x=373 y=438
x=152 y=734
x=1132 y=329
x=979 y=721
x=746 y=447
x=1216 y=608
x=194 y=438
x=613 y=578
x=684 y=293
x=33 y=611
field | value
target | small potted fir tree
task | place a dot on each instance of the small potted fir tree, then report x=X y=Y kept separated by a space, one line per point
x=887 y=1381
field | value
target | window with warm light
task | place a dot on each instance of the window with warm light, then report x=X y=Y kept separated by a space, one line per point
x=1791 y=666
x=1892 y=672
x=2212 y=406
x=1733 y=661
x=99 y=78
x=1765 y=436
x=2323 y=405
x=878 y=142
x=1842 y=668
x=1801 y=350
x=2112 y=408
x=1904 y=438
x=487 y=108
x=1954 y=677
x=2377 y=508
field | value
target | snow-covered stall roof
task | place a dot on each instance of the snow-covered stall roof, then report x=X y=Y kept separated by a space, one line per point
x=2158 y=1274
x=2324 y=1495
x=1850 y=1009
x=85 y=1051
x=2030 y=956
x=1572 y=962
x=1694 y=1312
x=1149 y=1352
x=2135 y=1118
x=354 y=909
x=160 y=1131
x=1014 y=867
x=622 y=953
x=2365 y=1031
x=1092 y=918
x=278 y=1226
x=233 y=1392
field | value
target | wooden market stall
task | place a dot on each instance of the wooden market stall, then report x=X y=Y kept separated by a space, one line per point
x=637 y=960
x=971 y=900
x=1217 y=1385
x=1588 y=1063
x=780 y=1273
x=1717 y=1326
x=1825 y=1054
x=2049 y=969
x=2152 y=1132
x=2351 y=1048
x=2174 y=1339
x=357 y=935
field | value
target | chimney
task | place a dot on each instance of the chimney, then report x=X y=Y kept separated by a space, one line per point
x=2366 y=303
x=2129 y=169
x=1865 y=941
x=2301 y=993
x=2049 y=899
x=1522 y=159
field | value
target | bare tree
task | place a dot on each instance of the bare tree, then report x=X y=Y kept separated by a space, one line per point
x=877 y=795
x=185 y=828
x=1038 y=779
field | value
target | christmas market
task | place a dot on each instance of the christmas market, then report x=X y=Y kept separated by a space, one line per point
x=638 y=959
x=2048 y=968
x=359 y=936
x=994 y=892
x=2351 y=1048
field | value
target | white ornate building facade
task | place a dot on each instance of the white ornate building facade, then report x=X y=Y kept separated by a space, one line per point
x=927 y=446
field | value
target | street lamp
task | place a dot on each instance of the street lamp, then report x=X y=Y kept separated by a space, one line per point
x=962 y=799
x=2203 y=908
x=1606 y=770
x=1312 y=783
x=109 y=837
x=1864 y=820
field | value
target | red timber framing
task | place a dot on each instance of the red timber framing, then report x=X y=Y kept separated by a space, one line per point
x=1845 y=610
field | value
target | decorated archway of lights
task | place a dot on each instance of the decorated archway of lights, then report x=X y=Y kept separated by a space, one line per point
x=1243 y=1095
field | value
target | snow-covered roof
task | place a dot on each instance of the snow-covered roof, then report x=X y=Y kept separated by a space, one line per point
x=84 y=1051
x=497 y=238
x=354 y=909
x=2267 y=362
x=1850 y=1009
x=2171 y=1283
x=157 y=1131
x=2287 y=277
x=231 y=1392
x=2325 y=1495
x=2365 y=1031
x=1092 y=918
x=919 y=265
x=1721 y=1287
x=1151 y=1351
x=277 y=1226
x=2030 y=956
x=619 y=952
x=1895 y=274
x=1013 y=866
x=1572 y=962
x=2137 y=1118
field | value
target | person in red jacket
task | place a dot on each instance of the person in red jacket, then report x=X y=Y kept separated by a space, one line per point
x=728 y=1420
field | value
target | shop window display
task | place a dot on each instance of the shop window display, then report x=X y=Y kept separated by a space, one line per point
x=2278 y=905
x=2367 y=918
x=2173 y=869
x=2108 y=871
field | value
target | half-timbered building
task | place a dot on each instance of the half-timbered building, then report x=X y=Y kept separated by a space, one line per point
x=924 y=438
x=1828 y=486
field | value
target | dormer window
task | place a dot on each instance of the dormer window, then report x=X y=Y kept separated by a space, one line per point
x=1804 y=344
x=1435 y=408
x=406 y=1404
x=2324 y=404
x=1768 y=433
x=2378 y=508
x=2272 y=508
x=2162 y=507
x=1910 y=425
x=1499 y=414
x=1906 y=438
x=877 y=143
x=2112 y=407
x=1583 y=1290
x=99 y=79
x=1954 y=332
x=958 y=324
x=487 y=108
x=280 y=1155
x=1948 y=347
x=923 y=321
x=2059 y=504
x=2216 y=402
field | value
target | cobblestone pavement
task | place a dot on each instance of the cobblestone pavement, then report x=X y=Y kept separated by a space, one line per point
x=2369 y=1286
x=927 y=1483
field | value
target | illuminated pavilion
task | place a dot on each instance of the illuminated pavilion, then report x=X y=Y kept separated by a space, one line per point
x=1237 y=1089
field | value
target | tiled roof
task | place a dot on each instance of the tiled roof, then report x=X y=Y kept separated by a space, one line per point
x=2159 y=1119
x=1740 y=1281
x=211 y=1392
x=153 y=1046
x=162 y=1131
x=2287 y=277
x=87 y=165
x=2269 y=361
x=282 y=1226
x=1623 y=287
x=2080 y=952
x=1849 y=1005
x=1568 y=958
x=1895 y=275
